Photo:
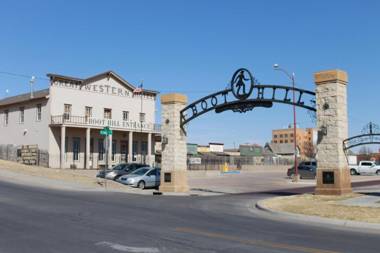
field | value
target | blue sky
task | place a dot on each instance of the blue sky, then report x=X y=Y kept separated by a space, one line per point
x=194 y=47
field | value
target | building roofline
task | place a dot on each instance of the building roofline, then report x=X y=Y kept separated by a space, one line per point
x=25 y=97
x=108 y=73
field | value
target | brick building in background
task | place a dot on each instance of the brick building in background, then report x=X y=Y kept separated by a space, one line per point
x=306 y=139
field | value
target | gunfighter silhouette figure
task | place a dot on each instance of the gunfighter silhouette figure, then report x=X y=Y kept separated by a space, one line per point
x=239 y=83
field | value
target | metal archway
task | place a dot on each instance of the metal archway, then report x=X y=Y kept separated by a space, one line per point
x=242 y=98
x=370 y=135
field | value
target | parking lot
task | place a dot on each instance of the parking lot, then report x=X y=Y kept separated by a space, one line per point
x=256 y=179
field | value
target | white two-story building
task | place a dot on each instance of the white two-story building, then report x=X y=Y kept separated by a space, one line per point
x=65 y=120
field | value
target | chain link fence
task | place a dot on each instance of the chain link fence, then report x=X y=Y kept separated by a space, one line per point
x=234 y=162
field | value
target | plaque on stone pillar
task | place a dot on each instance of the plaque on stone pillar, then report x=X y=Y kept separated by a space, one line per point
x=167 y=177
x=328 y=177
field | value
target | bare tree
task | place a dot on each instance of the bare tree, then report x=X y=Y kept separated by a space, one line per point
x=309 y=150
x=365 y=150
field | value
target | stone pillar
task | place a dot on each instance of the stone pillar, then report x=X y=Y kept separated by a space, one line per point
x=63 y=145
x=174 y=150
x=88 y=138
x=149 y=160
x=130 y=146
x=333 y=175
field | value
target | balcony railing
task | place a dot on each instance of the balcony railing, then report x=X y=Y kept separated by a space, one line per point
x=72 y=120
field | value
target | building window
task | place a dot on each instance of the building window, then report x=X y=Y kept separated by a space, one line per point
x=144 y=148
x=125 y=115
x=67 y=111
x=275 y=136
x=39 y=112
x=6 y=117
x=275 y=141
x=76 y=148
x=100 y=150
x=91 y=145
x=88 y=112
x=142 y=117
x=22 y=115
x=280 y=135
x=107 y=113
x=286 y=135
x=134 y=150
x=281 y=141
x=291 y=135
x=66 y=144
x=113 y=149
x=286 y=141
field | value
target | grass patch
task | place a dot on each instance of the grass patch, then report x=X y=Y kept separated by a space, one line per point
x=324 y=206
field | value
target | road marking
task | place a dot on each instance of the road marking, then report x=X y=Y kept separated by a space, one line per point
x=125 y=248
x=259 y=243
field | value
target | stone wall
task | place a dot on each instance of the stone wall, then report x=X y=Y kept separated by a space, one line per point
x=26 y=154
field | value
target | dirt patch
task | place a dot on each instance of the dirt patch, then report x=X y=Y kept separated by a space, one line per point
x=324 y=206
x=84 y=178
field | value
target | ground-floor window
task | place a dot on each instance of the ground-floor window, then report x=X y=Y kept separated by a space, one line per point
x=100 y=150
x=66 y=144
x=76 y=148
x=113 y=149
x=144 y=148
x=134 y=147
x=123 y=150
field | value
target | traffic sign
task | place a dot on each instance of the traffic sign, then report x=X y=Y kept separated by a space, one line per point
x=106 y=131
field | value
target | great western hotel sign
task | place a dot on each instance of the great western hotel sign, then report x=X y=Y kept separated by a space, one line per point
x=105 y=89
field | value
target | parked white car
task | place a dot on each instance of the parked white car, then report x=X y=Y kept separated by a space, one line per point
x=365 y=167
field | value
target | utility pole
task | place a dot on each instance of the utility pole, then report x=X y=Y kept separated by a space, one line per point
x=292 y=78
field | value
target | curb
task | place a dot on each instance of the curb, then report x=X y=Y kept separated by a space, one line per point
x=319 y=220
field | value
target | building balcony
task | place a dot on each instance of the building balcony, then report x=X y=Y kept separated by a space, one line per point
x=83 y=121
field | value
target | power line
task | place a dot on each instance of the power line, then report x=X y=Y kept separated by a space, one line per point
x=22 y=75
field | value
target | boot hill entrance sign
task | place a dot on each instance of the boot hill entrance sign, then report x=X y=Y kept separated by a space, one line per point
x=243 y=95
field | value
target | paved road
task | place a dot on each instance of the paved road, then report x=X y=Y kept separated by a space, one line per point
x=41 y=220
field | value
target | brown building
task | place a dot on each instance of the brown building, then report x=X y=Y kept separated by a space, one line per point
x=306 y=139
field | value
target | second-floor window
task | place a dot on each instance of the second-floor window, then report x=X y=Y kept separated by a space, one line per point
x=6 y=117
x=107 y=113
x=142 y=117
x=67 y=111
x=39 y=112
x=88 y=112
x=22 y=114
x=125 y=115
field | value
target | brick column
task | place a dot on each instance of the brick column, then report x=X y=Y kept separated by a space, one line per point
x=62 y=164
x=88 y=139
x=333 y=175
x=149 y=151
x=110 y=162
x=130 y=147
x=174 y=150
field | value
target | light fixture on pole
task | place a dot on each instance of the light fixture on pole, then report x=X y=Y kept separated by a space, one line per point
x=292 y=78
x=31 y=82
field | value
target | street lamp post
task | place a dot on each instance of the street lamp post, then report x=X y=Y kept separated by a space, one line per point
x=292 y=77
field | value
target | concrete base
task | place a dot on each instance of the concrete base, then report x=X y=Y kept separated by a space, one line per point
x=178 y=182
x=341 y=185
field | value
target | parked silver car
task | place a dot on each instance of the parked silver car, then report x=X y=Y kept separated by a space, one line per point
x=145 y=177
x=122 y=169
